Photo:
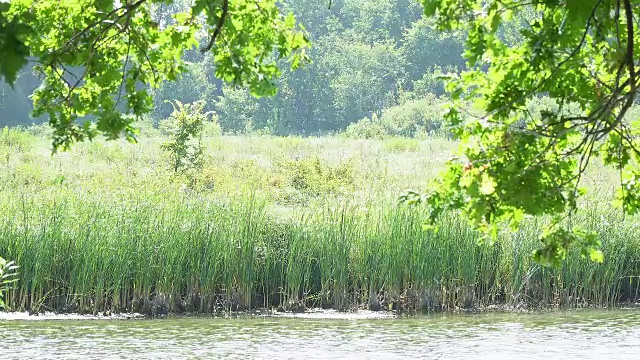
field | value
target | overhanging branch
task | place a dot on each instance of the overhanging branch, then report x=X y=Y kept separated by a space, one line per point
x=216 y=32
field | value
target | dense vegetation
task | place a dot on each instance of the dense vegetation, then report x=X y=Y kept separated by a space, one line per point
x=274 y=222
x=367 y=56
x=547 y=87
x=512 y=164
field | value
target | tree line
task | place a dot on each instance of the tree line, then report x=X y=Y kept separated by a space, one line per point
x=367 y=55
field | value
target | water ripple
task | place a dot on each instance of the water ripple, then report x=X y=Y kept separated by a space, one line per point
x=553 y=335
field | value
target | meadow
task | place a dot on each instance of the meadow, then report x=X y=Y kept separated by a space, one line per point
x=283 y=223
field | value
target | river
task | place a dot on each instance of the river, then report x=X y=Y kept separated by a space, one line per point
x=578 y=334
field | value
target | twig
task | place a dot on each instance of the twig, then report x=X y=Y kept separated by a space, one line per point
x=124 y=72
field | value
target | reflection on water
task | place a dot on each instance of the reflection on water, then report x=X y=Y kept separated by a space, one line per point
x=582 y=335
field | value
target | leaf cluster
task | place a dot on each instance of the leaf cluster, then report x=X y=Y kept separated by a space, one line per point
x=98 y=59
x=513 y=163
x=8 y=276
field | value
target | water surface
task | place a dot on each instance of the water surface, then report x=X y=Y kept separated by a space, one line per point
x=585 y=334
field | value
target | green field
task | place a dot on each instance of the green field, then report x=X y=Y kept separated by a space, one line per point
x=273 y=222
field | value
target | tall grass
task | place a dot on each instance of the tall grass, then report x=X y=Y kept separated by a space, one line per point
x=184 y=253
x=113 y=230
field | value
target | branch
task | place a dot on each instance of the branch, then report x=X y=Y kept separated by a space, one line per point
x=630 y=64
x=573 y=53
x=124 y=72
x=216 y=33
x=630 y=96
x=142 y=48
x=128 y=8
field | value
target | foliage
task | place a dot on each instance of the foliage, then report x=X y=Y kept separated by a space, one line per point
x=185 y=127
x=367 y=128
x=430 y=83
x=365 y=77
x=514 y=164
x=189 y=87
x=366 y=55
x=314 y=176
x=7 y=277
x=424 y=45
x=415 y=118
x=107 y=226
x=98 y=59
x=236 y=110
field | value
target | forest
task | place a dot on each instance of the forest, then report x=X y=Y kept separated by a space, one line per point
x=370 y=60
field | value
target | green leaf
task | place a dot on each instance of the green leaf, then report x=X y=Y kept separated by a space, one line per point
x=596 y=255
x=14 y=52
x=488 y=185
x=579 y=10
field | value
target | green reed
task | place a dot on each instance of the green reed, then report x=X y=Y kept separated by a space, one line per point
x=186 y=253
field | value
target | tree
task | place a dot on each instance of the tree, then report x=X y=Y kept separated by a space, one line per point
x=424 y=47
x=98 y=58
x=364 y=79
x=580 y=53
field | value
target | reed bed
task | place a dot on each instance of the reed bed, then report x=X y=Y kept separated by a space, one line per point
x=108 y=229
x=188 y=254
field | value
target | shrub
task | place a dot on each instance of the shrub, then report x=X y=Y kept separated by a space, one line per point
x=401 y=145
x=366 y=129
x=184 y=127
x=414 y=118
x=314 y=176
x=212 y=128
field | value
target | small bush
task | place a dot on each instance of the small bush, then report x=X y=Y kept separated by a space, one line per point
x=314 y=176
x=366 y=129
x=212 y=128
x=208 y=179
x=401 y=145
x=250 y=173
x=184 y=127
x=414 y=118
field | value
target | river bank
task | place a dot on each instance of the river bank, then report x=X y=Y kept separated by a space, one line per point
x=277 y=223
